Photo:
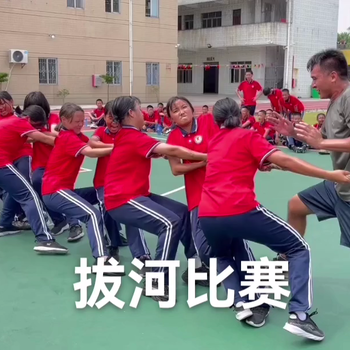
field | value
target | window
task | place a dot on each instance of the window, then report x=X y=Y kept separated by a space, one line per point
x=179 y=22
x=184 y=73
x=236 y=17
x=189 y=21
x=112 y=6
x=238 y=70
x=268 y=12
x=211 y=19
x=48 y=71
x=152 y=8
x=114 y=69
x=77 y=4
x=152 y=74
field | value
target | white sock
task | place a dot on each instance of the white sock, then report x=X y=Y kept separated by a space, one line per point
x=301 y=315
x=239 y=304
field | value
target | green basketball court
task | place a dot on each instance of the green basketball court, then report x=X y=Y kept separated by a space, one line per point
x=37 y=304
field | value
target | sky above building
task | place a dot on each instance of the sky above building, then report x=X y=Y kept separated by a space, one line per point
x=344 y=15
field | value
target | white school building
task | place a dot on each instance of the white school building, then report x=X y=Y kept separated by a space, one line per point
x=219 y=40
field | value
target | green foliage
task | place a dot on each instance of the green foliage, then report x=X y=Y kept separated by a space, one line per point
x=3 y=77
x=344 y=40
x=107 y=79
x=63 y=94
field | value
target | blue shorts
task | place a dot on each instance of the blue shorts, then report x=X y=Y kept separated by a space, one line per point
x=324 y=201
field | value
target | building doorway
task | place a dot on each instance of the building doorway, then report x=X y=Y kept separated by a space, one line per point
x=211 y=78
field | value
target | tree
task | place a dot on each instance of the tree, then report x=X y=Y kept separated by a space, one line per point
x=109 y=80
x=63 y=94
x=3 y=79
x=344 y=40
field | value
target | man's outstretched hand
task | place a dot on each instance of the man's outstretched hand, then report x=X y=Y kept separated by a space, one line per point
x=309 y=134
x=281 y=124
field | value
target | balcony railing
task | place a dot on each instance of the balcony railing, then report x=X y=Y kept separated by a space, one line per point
x=262 y=34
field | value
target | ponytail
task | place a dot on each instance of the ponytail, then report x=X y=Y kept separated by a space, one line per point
x=232 y=122
x=227 y=113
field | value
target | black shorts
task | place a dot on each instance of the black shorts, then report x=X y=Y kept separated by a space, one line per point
x=324 y=201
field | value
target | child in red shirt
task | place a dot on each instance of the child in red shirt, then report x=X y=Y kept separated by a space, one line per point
x=276 y=99
x=15 y=131
x=194 y=134
x=205 y=112
x=320 y=120
x=247 y=120
x=263 y=128
x=105 y=136
x=58 y=189
x=230 y=213
x=41 y=154
x=127 y=186
x=12 y=215
x=97 y=115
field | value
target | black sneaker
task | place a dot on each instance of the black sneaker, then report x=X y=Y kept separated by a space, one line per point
x=307 y=329
x=7 y=231
x=164 y=297
x=114 y=253
x=259 y=316
x=50 y=247
x=60 y=228
x=76 y=233
x=204 y=283
x=242 y=313
x=107 y=263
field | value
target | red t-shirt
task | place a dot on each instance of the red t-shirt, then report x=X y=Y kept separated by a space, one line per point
x=42 y=151
x=203 y=130
x=293 y=105
x=317 y=126
x=276 y=99
x=105 y=136
x=14 y=132
x=261 y=129
x=64 y=163
x=150 y=119
x=129 y=167
x=99 y=112
x=234 y=156
x=249 y=92
x=252 y=121
x=167 y=122
x=54 y=119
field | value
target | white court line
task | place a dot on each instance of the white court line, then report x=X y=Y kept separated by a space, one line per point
x=173 y=191
x=84 y=170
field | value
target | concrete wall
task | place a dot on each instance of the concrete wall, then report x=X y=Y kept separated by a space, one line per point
x=314 y=28
x=270 y=58
x=84 y=41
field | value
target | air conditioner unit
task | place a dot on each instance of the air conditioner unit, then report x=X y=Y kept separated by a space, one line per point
x=18 y=56
x=97 y=81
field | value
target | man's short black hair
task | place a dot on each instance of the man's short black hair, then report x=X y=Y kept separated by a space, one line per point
x=267 y=91
x=331 y=61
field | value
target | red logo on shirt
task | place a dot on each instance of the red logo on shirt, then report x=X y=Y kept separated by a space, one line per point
x=198 y=139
